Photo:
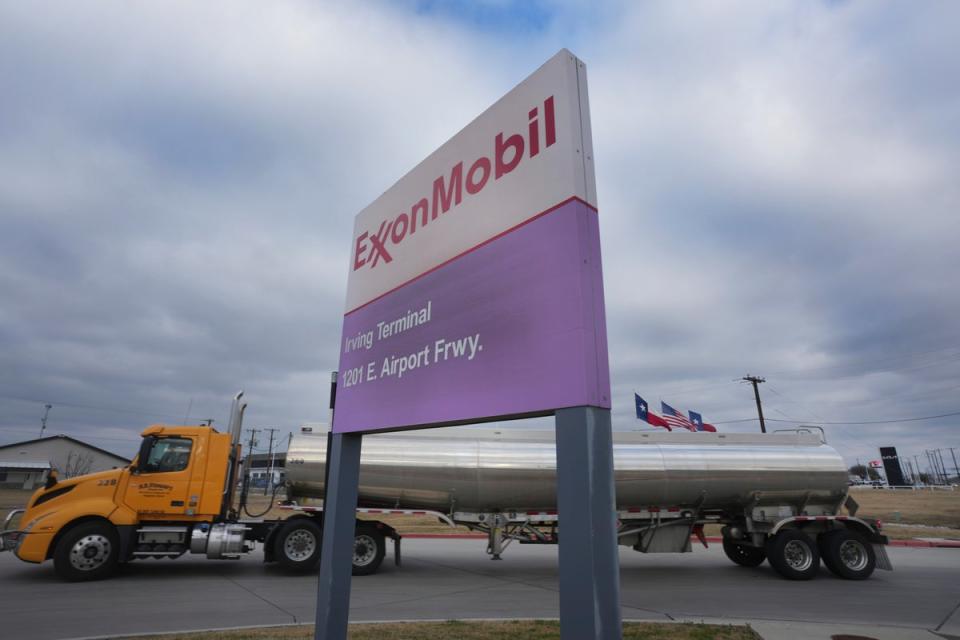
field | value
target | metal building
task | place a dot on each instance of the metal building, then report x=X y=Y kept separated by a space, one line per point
x=25 y=464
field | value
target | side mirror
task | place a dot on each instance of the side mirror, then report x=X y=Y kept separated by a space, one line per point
x=51 y=479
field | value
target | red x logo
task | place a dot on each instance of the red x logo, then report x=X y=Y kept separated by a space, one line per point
x=379 y=244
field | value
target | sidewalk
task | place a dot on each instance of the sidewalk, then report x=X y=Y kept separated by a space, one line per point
x=783 y=630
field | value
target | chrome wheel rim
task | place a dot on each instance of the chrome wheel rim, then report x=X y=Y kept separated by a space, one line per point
x=797 y=555
x=90 y=552
x=364 y=550
x=853 y=555
x=300 y=545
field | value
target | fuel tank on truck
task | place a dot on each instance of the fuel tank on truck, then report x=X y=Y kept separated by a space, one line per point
x=469 y=469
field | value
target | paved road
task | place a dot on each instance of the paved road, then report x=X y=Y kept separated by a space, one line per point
x=444 y=579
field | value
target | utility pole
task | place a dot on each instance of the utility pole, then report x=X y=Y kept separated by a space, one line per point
x=268 y=488
x=249 y=464
x=955 y=468
x=934 y=467
x=939 y=462
x=946 y=474
x=756 y=392
x=43 y=420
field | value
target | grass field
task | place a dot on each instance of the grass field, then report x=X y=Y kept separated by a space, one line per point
x=456 y=630
x=932 y=508
x=938 y=509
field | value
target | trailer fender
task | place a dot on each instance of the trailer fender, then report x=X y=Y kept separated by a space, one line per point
x=268 y=543
x=856 y=524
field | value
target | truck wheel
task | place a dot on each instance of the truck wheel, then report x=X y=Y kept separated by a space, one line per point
x=369 y=548
x=744 y=555
x=297 y=545
x=794 y=555
x=847 y=554
x=87 y=552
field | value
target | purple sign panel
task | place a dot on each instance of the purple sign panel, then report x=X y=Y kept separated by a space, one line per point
x=476 y=290
x=514 y=327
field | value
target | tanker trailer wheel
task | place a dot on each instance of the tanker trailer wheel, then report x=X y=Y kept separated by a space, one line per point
x=744 y=555
x=794 y=555
x=369 y=548
x=847 y=554
x=87 y=552
x=297 y=546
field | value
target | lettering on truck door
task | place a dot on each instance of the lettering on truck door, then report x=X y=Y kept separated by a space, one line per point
x=162 y=484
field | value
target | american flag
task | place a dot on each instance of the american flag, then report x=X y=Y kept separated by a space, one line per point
x=674 y=418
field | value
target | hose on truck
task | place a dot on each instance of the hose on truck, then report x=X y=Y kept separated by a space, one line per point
x=273 y=496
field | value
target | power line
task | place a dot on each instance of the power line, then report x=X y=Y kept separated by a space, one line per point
x=77 y=405
x=814 y=373
x=917 y=419
x=801 y=404
x=868 y=363
x=714 y=385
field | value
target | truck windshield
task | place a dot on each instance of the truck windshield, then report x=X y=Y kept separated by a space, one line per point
x=168 y=454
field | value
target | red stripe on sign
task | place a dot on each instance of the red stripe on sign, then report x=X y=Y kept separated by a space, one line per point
x=474 y=248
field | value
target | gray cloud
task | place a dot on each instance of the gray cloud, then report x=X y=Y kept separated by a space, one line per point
x=776 y=182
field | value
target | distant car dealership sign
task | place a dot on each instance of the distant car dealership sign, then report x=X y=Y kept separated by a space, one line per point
x=475 y=289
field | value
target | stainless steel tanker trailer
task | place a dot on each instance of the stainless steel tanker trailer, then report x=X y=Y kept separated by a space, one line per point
x=778 y=497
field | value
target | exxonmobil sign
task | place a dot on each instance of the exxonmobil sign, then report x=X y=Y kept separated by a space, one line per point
x=447 y=192
x=526 y=153
x=475 y=287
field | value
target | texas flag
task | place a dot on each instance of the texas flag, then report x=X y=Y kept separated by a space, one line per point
x=674 y=418
x=644 y=413
x=698 y=422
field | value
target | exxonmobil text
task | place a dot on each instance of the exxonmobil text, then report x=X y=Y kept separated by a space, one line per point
x=373 y=247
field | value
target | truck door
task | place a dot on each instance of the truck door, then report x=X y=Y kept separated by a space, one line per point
x=161 y=483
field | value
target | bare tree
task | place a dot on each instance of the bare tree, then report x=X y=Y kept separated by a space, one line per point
x=78 y=464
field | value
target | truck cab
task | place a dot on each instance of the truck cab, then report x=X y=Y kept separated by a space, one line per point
x=88 y=522
x=177 y=496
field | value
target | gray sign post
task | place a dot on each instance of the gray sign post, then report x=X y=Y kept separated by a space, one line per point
x=339 y=523
x=589 y=565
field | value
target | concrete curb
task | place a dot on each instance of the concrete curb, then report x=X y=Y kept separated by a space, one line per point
x=767 y=629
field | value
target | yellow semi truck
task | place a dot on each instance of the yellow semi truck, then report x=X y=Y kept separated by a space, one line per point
x=176 y=497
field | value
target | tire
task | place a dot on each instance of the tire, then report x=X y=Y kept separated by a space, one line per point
x=369 y=547
x=793 y=555
x=89 y=551
x=744 y=555
x=847 y=554
x=297 y=545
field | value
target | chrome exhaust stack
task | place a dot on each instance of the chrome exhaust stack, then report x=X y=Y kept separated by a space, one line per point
x=234 y=428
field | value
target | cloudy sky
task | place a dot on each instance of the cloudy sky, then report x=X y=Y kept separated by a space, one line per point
x=778 y=190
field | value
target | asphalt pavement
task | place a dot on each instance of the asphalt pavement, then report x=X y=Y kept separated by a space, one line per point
x=449 y=578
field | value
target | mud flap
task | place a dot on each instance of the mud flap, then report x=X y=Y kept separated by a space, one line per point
x=883 y=560
x=396 y=551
